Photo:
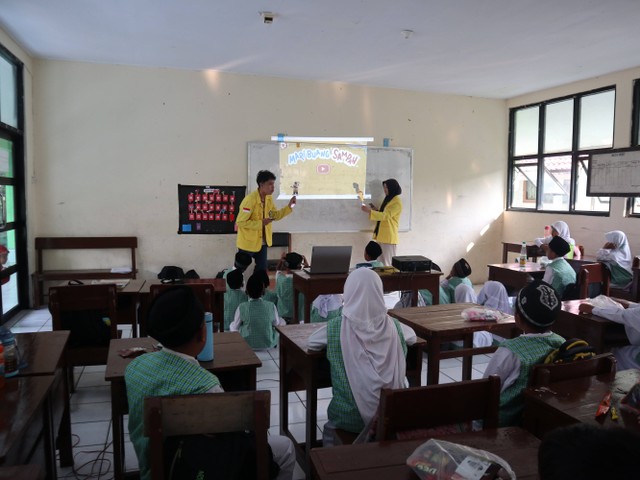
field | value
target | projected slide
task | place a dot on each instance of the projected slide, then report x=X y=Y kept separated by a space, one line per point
x=315 y=171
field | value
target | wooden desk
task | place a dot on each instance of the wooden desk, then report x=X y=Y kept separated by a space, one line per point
x=235 y=365
x=22 y=472
x=600 y=333
x=308 y=370
x=576 y=401
x=438 y=324
x=533 y=251
x=321 y=284
x=42 y=353
x=513 y=277
x=26 y=433
x=387 y=460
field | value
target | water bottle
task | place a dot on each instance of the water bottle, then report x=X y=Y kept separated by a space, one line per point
x=523 y=255
x=206 y=355
x=8 y=341
x=547 y=231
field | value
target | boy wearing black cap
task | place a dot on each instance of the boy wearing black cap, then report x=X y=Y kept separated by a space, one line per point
x=257 y=318
x=558 y=272
x=241 y=262
x=537 y=307
x=458 y=275
x=233 y=296
x=372 y=252
x=176 y=319
x=284 y=283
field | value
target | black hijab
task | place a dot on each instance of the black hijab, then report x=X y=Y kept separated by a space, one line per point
x=394 y=189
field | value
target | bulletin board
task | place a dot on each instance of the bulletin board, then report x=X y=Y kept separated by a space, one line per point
x=206 y=209
x=615 y=173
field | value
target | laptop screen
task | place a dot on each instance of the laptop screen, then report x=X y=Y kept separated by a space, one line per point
x=330 y=259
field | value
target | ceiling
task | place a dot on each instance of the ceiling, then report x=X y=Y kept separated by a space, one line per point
x=485 y=48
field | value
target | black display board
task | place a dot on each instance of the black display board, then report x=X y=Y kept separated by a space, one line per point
x=208 y=209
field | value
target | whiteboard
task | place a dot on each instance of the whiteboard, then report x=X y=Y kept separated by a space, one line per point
x=615 y=173
x=339 y=215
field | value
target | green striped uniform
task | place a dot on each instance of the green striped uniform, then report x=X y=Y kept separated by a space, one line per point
x=343 y=411
x=453 y=283
x=563 y=275
x=428 y=297
x=317 y=318
x=530 y=351
x=257 y=316
x=284 y=290
x=232 y=299
x=159 y=374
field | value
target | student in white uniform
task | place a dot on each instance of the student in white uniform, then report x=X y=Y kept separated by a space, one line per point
x=629 y=356
x=494 y=295
x=560 y=229
x=616 y=255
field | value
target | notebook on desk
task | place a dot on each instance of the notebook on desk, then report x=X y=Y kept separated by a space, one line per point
x=329 y=260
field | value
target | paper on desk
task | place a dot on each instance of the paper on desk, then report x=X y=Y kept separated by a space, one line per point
x=602 y=301
x=121 y=270
x=112 y=281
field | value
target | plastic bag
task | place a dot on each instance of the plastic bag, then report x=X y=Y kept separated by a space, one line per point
x=481 y=314
x=602 y=301
x=441 y=460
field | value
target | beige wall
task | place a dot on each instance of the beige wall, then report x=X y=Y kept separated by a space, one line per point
x=113 y=142
x=588 y=231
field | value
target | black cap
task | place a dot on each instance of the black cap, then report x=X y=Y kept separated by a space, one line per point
x=559 y=246
x=235 y=279
x=242 y=260
x=293 y=260
x=175 y=316
x=462 y=268
x=538 y=303
x=373 y=249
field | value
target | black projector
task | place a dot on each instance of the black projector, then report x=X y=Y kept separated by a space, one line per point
x=411 y=263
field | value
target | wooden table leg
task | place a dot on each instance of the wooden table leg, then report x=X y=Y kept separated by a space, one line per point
x=117 y=425
x=433 y=360
x=467 y=360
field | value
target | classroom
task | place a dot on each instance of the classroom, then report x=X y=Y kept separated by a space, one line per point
x=106 y=143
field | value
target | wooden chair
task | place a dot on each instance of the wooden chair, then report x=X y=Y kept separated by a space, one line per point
x=438 y=405
x=78 y=298
x=593 y=273
x=632 y=293
x=204 y=292
x=543 y=375
x=207 y=414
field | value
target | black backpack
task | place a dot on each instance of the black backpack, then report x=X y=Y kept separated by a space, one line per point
x=571 y=350
x=171 y=274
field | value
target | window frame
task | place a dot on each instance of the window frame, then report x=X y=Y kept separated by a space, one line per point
x=16 y=135
x=539 y=157
x=635 y=140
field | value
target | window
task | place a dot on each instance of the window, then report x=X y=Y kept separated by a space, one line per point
x=633 y=204
x=13 y=268
x=550 y=143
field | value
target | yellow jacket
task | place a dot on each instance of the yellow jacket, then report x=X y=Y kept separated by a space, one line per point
x=249 y=221
x=389 y=221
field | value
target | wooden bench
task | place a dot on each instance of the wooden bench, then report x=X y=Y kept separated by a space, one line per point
x=42 y=275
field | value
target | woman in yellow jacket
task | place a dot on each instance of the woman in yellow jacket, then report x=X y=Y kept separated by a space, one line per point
x=387 y=218
x=257 y=211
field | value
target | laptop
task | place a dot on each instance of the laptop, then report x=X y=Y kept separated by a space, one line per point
x=329 y=260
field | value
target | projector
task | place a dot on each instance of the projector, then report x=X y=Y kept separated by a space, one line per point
x=411 y=263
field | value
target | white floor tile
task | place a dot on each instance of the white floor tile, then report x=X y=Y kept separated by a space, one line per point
x=90 y=412
x=454 y=373
x=95 y=379
x=269 y=367
x=91 y=395
x=90 y=433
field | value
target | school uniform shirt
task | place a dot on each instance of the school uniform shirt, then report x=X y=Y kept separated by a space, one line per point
x=232 y=299
x=376 y=264
x=389 y=221
x=427 y=296
x=255 y=320
x=156 y=374
x=559 y=274
x=250 y=218
x=618 y=260
x=326 y=307
x=512 y=362
x=629 y=356
x=284 y=291
x=450 y=285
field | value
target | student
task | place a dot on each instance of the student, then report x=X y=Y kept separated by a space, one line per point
x=257 y=318
x=616 y=255
x=372 y=252
x=234 y=296
x=589 y=452
x=459 y=273
x=269 y=294
x=366 y=350
x=241 y=262
x=629 y=316
x=284 y=284
x=494 y=295
x=326 y=307
x=558 y=273
x=427 y=297
x=537 y=307
x=560 y=229
x=176 y=320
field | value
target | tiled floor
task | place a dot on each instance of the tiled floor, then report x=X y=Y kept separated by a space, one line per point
x=91 y=409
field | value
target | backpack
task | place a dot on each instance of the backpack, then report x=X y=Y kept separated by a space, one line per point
x=171 y=274
x=89 y=328
x=571 y=350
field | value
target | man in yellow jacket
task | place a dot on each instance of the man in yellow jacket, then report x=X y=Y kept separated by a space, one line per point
x=257 y=211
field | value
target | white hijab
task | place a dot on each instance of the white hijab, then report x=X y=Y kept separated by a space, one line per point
x=371 y=347
x=622 y=253
x=465 y=294
x=327 y=303
x=494 y=295
x=563 y=231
